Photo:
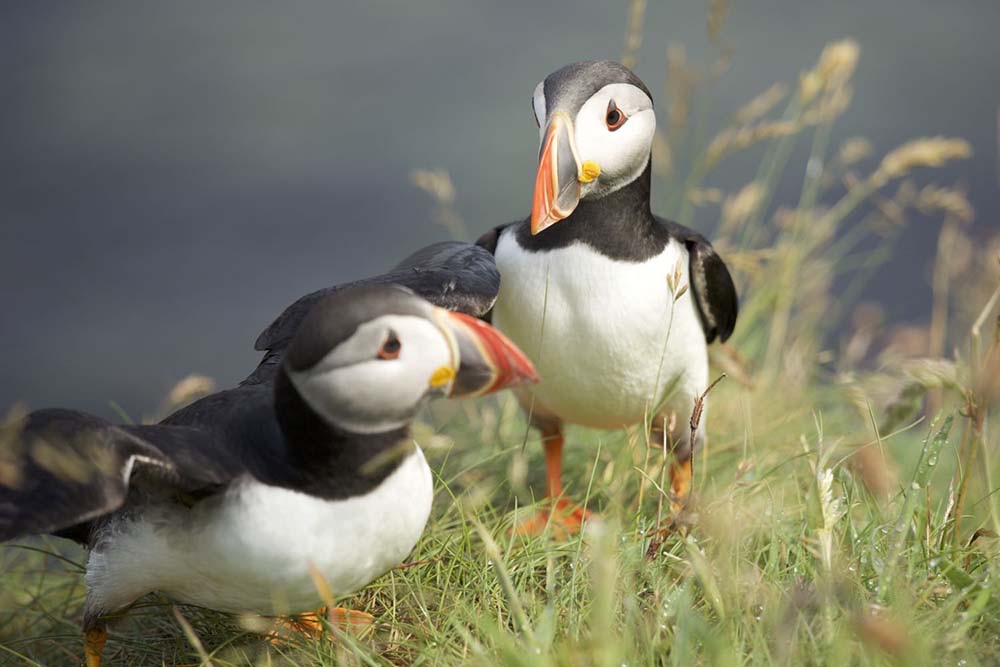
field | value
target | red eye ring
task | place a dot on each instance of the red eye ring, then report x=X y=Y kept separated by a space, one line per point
x=615 y=117
x=390 y=348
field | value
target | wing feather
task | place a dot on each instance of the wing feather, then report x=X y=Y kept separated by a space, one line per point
x=712 y=286
x=60 y=468
x=451 y=274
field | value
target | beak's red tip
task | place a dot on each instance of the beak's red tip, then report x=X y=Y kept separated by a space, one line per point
x=511 y=366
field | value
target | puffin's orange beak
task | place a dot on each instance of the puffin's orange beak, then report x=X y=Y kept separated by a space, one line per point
x=557 y=184
x=488 y=360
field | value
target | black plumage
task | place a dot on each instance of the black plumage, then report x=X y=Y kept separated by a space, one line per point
x=450 y=274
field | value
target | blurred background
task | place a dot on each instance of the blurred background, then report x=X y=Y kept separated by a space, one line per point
x=172 y=175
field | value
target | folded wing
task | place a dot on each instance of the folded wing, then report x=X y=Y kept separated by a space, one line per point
x=451 y=274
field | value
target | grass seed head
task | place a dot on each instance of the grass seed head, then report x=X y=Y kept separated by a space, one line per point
x=924 y=152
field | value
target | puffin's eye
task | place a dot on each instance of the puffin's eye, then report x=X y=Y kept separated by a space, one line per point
x=390 y=348
x=615 y=117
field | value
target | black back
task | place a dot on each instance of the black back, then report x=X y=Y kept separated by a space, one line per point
x=453 y=275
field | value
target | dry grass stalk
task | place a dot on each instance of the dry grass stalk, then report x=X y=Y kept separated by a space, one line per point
x=700 y=196
x=11 y=446
x=437 y=183
x=663 y=157
x=192 y=637
x=835 y=68
x=718 y=10
x=940 y=291
x=738 y=208
x=733 y=139
x=977 y=401
x=699 y=406
x=760 y=105
x=189 y=389
x=633 y=35
x=831 y=511
x=854 y=150
x=681 y=82
x=924 y=152
x=950 y=201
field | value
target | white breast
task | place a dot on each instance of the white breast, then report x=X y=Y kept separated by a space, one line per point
x=250 y=550
x=605 y=335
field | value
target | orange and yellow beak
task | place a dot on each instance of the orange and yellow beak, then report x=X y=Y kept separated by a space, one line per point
x=558 y=184
x=487 y=360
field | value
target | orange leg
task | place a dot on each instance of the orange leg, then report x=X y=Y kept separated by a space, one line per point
x=681 y=470
x=564 y=516
x=553 y=464
x=93 y=645
x=311 y=624
x=681 y=473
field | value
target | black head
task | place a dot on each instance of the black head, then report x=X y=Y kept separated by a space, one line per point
x=570 y=86
x=365 y=359
x=596 y=124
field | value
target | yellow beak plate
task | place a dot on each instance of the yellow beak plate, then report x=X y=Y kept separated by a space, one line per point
x=442 y=376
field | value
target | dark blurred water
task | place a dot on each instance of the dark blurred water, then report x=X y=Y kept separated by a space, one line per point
x=173 y=174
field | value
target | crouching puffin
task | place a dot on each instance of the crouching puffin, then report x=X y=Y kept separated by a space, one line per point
x=236 y=502
x=614 y=305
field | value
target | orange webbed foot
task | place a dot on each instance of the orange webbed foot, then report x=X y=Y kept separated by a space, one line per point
x=311 y=624
x=563 y=519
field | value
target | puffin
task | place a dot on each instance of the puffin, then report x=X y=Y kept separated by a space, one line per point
x=245 y=499
x=614 y=305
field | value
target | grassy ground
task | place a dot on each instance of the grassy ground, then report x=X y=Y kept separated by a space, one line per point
x=843 y=509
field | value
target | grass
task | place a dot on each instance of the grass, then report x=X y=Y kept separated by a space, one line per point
x=844 y=509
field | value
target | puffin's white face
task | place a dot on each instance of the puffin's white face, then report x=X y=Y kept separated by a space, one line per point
x=613 y=130
x=596 y=135
x=378 y=378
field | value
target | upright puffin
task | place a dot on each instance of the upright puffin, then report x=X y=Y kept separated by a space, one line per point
x=237 y=501
x=590 y=287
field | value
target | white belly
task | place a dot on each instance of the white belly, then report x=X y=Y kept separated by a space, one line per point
x=252 y=550
x=606 y=336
